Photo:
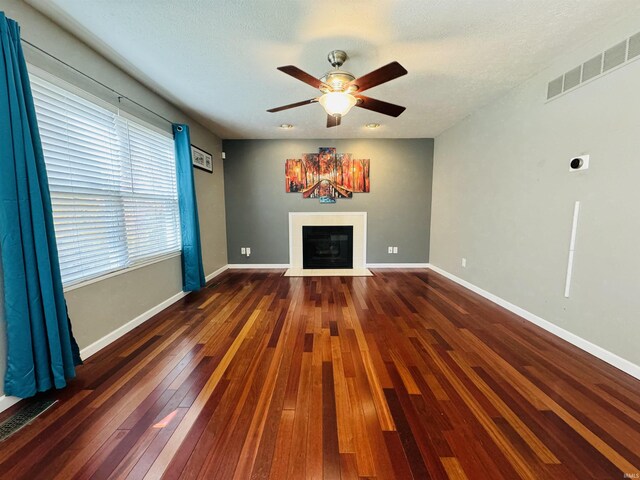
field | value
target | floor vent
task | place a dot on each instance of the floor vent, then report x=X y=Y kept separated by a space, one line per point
x=613 y=57
x=23 y=417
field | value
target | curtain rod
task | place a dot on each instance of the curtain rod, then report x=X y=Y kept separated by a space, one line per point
x=120 y=95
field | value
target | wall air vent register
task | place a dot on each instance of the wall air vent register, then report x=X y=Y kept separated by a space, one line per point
x=615 y=56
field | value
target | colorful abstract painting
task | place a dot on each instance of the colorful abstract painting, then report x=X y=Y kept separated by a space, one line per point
x=327 y=175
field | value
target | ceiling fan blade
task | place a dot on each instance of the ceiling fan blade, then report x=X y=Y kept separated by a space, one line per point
x=379 y=76
x=295 y=72
x=293 y=105
x=379 y=106
x=333 y=121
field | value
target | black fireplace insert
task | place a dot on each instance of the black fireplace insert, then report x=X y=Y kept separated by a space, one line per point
x=327 y=246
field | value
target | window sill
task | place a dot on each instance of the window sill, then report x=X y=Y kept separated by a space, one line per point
x=84 y=283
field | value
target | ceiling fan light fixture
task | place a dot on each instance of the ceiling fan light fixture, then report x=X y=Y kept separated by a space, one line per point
x=337 y=103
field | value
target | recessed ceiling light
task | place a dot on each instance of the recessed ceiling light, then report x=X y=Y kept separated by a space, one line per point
x=286 y=126
x=372 y=125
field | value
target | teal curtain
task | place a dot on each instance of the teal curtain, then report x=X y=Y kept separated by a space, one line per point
x=192 y=269
x=41 y=350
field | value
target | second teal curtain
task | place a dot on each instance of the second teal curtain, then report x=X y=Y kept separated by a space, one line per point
x=192 y=269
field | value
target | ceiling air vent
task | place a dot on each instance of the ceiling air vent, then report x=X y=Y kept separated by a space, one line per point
x=592 y=68
x=572 y=78
x=555 y=87
x=613 y=57
x=634 y=46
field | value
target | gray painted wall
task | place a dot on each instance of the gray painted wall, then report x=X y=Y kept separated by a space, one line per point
x=398 y=205
x=503 y=198
x=99 y=308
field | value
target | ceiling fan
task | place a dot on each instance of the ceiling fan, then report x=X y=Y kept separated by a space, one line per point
x=341 y=90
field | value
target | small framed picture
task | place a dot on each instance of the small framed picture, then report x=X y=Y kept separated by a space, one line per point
x=201 y=159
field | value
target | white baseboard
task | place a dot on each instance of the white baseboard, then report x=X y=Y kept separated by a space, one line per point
x=7 y=401
x=216 y=273
x=397 y=265
x=127 y=327
x=258 y=266
x=139 y=320
x=595 y=350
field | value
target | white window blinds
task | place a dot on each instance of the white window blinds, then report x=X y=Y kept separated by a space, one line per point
x=112 y=182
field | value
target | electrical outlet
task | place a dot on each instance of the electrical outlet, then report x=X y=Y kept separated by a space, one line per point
x=395 y=249
x=248 y=252
x=464 y=262
x=389 y=249
x=243 y=251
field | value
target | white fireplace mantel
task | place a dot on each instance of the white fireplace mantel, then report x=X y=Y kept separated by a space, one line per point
x=356 y=219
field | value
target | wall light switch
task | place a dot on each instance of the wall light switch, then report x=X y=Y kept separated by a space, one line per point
x=248 y=252
x=464 y=262
x=390 y=249
x=243 y=251
x=395 y=249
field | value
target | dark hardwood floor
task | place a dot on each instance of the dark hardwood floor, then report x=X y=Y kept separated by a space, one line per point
x=401 y=375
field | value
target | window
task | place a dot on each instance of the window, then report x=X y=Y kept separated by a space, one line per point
x=112 y=182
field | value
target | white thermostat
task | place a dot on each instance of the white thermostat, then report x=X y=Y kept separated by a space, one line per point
x=579 y=163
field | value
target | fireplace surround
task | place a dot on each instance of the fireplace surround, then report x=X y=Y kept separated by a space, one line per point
x=357 y=220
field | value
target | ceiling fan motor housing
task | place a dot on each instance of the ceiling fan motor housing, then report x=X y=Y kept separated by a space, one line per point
x=338 y=81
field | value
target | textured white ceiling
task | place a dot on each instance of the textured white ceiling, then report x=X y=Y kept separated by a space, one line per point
x=217 y=59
